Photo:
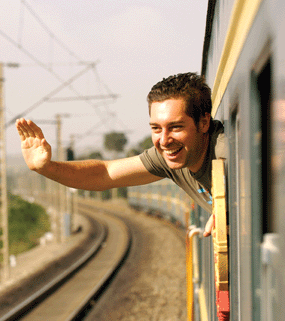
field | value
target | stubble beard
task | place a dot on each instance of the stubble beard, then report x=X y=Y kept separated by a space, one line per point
x=197 y=154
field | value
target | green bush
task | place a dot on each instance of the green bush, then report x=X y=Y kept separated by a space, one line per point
x=106 y=195
x=27 y=223
x=123 y=192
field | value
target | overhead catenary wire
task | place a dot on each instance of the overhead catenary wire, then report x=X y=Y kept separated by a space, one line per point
x=43 y=65
x=51 y=34
x=46 y=97
x=58 y=99
x=99 y=81
x=37 y=61
x=104 y=116
x=21 y=24
x=47 y=67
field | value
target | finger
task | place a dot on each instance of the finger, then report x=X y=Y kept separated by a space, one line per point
x=209 y=226
x=37 y=130
x=28 y=128
x=45 y=144
x=20 y=130
x=206 y=234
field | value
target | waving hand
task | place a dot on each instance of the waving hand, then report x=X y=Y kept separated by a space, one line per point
x=35 y=149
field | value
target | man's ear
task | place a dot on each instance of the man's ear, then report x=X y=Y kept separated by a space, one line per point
x=204 y=123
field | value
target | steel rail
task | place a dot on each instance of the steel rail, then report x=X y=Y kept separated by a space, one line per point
x=24 y=305
x=28 y=304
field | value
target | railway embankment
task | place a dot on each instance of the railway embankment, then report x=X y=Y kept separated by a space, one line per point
x=32 y=262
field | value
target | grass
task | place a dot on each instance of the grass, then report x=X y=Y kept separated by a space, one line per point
x=27 y=223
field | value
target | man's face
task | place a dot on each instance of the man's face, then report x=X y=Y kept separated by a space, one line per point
x=175 y=135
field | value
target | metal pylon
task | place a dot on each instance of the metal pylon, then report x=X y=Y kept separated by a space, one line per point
x=3 y=188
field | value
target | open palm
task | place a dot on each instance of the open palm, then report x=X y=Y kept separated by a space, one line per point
x=35 y=149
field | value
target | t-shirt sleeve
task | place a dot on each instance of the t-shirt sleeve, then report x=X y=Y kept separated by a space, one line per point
x=154 y=162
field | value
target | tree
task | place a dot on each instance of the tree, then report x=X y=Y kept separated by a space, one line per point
x=145 y=143
x=115 y=141
x=70 y=154
x=95 y=155
x=133 y=152
x=141 y=146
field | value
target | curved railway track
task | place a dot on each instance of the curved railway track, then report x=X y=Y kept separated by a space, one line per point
x=68 y=293
x=151 y=285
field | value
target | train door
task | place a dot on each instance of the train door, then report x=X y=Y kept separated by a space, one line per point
x=261 y=183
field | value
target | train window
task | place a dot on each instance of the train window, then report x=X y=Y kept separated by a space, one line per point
x=234 y=223
x=262 y=144
x=264 y=88
x=261 y=172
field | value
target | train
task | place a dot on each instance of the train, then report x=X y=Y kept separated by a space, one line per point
x=243 y=62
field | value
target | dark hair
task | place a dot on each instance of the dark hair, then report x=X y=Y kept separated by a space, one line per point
x=188 y=86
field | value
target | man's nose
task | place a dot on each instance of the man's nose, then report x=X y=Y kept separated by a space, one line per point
x=165 y=138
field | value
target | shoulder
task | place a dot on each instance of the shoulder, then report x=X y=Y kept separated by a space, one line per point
x=150 y=155
x=153 y=162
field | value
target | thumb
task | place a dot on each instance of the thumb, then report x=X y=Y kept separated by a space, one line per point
x=45 y=143
x=46 y=146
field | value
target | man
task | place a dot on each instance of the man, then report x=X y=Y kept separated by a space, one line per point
x=185 y=139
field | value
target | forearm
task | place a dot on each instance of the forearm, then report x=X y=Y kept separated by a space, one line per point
x=95 y=175
x=87 y=174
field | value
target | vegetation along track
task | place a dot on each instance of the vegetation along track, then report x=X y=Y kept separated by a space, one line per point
x=67 y=294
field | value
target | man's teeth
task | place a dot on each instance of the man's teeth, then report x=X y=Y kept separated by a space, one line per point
x=173 y=151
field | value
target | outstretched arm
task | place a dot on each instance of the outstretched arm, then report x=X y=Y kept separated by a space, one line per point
x=89 y=174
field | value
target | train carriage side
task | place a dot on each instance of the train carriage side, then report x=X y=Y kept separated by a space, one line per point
x=243 y=62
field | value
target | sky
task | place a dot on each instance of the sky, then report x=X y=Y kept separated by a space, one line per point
x=131 y=44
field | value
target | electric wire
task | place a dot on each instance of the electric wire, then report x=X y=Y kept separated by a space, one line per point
x=51 y=34
x=48 y=67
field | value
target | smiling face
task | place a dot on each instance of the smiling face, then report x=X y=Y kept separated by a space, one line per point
x=175 y=135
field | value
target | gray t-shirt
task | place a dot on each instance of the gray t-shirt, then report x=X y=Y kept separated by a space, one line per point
x=196 y=185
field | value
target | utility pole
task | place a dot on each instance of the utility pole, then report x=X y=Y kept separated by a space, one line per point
x=60 y=235
x=58 y=191
x=71 y=193
x=3 y=186
x=60 y=203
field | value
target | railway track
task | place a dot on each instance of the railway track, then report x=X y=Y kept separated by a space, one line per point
x=68 y=294
x=151 y=285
